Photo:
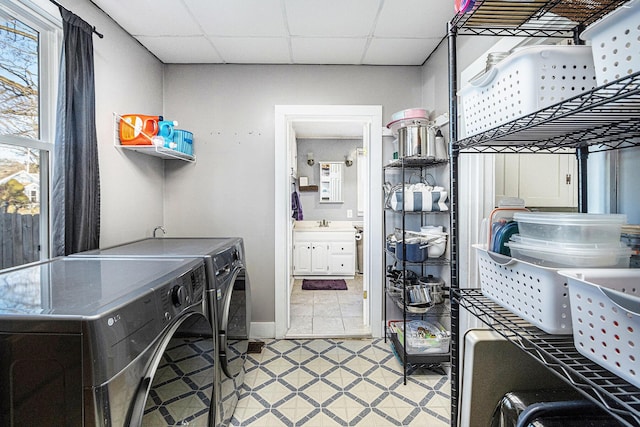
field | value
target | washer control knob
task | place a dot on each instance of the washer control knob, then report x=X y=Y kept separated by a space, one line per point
x=178 y=295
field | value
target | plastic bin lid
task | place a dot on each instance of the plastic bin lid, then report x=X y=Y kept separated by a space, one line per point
x=573 y=249
x=555 y=245
x=569 y=218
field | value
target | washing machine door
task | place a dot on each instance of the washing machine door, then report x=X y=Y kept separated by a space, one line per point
x=178 y=387
x=235 y=318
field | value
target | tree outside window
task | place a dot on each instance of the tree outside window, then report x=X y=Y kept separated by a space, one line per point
x=24 y=39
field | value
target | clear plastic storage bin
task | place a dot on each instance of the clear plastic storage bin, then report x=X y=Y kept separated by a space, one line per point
x=422 y=336
x=554 y=254
x=605 y=312
x=570 y=227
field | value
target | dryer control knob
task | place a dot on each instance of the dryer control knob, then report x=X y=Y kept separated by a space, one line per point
x=178 y=295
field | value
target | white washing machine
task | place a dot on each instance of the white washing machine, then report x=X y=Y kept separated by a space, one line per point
x=228 y=297
x=81 y=340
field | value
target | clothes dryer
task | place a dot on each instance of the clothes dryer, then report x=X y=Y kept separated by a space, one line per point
x=228 y=297
x=81 y=340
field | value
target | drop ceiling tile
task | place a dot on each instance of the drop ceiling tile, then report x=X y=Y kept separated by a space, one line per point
x=399 y=51
x=247 y=50
x=353 y=18
x=245 y=18
x=414 y=18
x=181 y=50
x=327 y=50
x=151 y=17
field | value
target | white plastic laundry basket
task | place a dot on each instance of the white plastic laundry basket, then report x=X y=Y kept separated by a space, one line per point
x=605 y=308
x=615 y=40
x=528 y=80
x=537 y=294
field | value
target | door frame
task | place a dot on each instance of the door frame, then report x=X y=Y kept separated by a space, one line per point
x=370 y=116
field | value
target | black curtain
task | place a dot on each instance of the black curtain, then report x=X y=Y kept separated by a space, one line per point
x=75 y=205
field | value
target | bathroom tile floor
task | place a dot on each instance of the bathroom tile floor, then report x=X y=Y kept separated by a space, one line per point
x=338 y=382
x=327 y=313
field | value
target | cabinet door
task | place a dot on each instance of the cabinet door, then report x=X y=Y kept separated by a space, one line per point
x=548 y=179
x=331 y=182
x=302 y=257
x=541 y=180
x=320 y=258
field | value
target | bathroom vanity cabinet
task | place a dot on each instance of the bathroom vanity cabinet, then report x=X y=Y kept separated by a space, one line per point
x=324 y=252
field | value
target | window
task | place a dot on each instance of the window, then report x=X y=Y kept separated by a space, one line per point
x=28 y=48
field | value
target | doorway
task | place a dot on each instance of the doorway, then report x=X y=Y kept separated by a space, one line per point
x=368 y=119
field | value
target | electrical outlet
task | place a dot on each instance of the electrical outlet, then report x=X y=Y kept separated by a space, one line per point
x=349 y=213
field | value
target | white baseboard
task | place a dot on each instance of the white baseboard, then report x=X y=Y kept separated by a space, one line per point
x=263 y=330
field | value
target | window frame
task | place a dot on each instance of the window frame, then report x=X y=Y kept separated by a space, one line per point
x=49 y=29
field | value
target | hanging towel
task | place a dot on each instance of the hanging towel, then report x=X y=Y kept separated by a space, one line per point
x=296 y=206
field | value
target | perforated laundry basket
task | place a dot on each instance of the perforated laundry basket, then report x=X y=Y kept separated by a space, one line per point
x=605 y=308
x=615 y=40
x=528 y=80
x=537 y=294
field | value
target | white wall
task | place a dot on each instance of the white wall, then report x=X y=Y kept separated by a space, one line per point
x=329 y=150
x=229 y=191
x=128 y=80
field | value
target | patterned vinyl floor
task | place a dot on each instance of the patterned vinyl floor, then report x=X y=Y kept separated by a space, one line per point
x=332 y=382
x=308 y=382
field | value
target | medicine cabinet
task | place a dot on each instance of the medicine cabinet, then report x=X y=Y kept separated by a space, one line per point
x=331 y=182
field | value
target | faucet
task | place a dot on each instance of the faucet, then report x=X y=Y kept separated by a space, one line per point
x=324 y=223
x=161 y=228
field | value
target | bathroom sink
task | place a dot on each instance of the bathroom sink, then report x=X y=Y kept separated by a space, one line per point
x=331 y=226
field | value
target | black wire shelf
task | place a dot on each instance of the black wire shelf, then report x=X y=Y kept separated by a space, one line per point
x=533 y=18
x=558 y=353
x=415 y=162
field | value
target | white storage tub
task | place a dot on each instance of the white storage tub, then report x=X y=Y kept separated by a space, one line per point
x=615 y=40
x=555 y=254
x=528 y=80
x=537 y=294
x=570 y=227
x=605 y=308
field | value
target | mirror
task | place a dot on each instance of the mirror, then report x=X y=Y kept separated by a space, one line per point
x=331 y=182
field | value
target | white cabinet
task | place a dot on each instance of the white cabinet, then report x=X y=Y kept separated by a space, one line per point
x=310 y=258
x=331 y=182
x=341 y=258
x=324 y=253
x=541 y=180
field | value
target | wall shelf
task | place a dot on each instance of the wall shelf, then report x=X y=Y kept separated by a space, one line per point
x=164 y=153
x=559 y=354
x=309 y=188
x=150 y=150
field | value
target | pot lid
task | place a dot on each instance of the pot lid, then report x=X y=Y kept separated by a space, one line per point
x=431 y=280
